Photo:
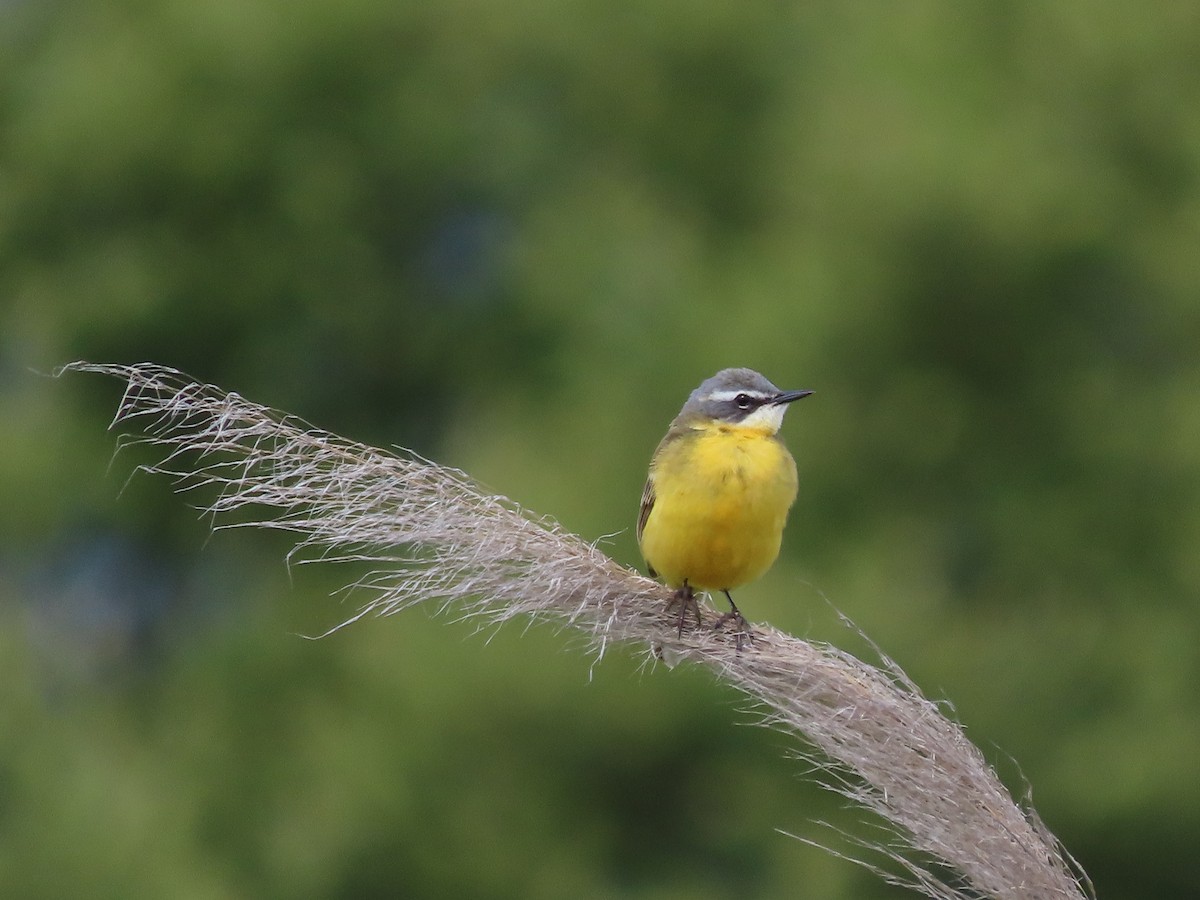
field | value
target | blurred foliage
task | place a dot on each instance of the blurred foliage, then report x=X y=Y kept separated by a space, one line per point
x=513 y=236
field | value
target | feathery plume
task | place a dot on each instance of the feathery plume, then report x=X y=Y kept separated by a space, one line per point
x=434 y=537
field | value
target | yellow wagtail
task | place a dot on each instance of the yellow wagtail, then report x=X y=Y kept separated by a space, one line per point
x=720 y=486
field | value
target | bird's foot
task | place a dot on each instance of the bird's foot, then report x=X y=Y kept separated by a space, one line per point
x=741 y=631
x=685 y=599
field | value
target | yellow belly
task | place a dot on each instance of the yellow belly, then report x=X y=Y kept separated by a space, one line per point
x=722 y=497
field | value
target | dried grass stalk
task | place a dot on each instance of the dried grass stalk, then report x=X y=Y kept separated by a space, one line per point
x=434 y=537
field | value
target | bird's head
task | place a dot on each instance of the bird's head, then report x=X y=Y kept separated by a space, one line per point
x=739 y=397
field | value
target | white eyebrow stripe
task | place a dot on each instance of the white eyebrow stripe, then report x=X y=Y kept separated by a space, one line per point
x=722 y=396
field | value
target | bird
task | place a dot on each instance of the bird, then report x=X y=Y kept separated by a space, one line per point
x=717 y=496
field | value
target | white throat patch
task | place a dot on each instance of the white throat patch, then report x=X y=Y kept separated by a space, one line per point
x=768 y=416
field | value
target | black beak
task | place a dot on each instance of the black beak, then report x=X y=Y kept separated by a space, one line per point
x=789 y=396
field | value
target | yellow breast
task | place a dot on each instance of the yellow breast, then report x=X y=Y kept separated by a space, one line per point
x=722 y=495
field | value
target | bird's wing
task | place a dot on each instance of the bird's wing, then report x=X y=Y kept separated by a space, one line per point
x=648 y=493
x=644 y=514
x=647 y=505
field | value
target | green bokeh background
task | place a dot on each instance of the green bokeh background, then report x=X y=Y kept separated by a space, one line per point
x=513 y=236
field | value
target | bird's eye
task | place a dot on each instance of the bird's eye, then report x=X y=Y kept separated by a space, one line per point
x=743 y=401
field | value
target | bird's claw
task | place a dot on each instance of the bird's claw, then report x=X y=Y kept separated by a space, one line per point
x=685 y=599
x=742 y=631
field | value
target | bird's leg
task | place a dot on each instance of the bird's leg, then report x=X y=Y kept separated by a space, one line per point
x=742 y=629
x=685 y=597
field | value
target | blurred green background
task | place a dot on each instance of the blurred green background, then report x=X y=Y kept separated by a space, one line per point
x=513 y=236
